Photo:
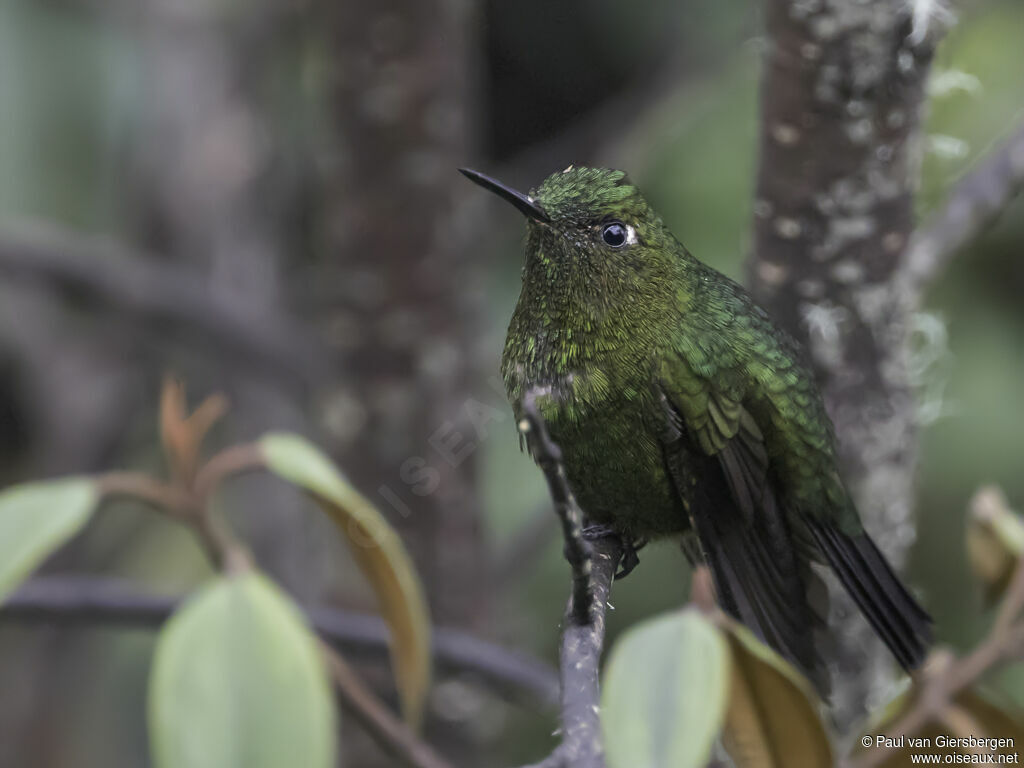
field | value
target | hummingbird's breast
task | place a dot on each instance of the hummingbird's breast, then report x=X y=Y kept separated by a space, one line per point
x=597 y=399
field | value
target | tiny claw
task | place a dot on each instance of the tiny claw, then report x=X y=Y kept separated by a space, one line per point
x=630 y=558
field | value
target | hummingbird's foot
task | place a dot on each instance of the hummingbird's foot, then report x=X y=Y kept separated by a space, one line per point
x=630 y=558
x=630 y=547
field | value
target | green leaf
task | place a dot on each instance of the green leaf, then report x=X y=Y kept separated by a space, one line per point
x=238 y=682
x=665 y=692
x=773 y=717
x=380 y=554
x=35 y=519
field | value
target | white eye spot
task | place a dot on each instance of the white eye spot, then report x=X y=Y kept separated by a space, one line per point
x=631 y=238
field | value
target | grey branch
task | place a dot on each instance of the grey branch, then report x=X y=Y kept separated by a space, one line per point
x=549 y=458
x=580 y=663
x=975 y=202
x=593 y=570
x=160 y=295
x=86 y=600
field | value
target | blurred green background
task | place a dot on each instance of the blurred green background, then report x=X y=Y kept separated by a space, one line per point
x=666 y=90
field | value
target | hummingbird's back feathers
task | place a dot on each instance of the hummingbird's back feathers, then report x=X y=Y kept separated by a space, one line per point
x=681 y=408
x=745 y=539
x=746 y=398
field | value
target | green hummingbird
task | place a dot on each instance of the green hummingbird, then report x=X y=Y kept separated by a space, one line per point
x=682 y=410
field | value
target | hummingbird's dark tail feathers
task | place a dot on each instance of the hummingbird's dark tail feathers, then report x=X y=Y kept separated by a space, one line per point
x=760 y=578
x=887 y=605
x=742 y=532
x=793 y=621
x=761 y=581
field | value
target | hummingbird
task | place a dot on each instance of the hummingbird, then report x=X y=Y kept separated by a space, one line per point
x=682 y=410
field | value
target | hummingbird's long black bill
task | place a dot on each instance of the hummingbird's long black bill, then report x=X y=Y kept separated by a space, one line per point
x=518 y=199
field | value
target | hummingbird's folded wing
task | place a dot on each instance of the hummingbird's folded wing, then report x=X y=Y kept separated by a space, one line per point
x=717 y=459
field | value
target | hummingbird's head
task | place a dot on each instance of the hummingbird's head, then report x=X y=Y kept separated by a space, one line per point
x=586 y=217
x=601 y=268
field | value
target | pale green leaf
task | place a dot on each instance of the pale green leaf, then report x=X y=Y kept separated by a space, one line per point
x=665 y=692
x=238 y=682
x=35 y=519
x=380 y=554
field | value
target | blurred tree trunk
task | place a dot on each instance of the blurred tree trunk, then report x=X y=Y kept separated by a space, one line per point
x=400 y=311
x=841 y=101
x=401 y=317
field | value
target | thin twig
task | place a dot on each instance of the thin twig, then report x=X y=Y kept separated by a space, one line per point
x=940 y=686
x=593 y=570
x=580 y=664
x=231 y=461
x=108 y=602
x=975 y=202
x=549 y=458
x=164 y=496
x=185 y=506
x=222 y=546
x=388 y=731
x=579 y=667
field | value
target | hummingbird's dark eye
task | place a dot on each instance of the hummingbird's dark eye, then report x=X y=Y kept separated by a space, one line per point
x=614 y=234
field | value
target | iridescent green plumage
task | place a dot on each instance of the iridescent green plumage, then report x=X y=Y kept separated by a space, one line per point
x=682 y=409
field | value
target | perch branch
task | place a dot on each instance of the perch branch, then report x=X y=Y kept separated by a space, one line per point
x=579 y=665
x=577 y=550
x=975 y=202
x=593 y=570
